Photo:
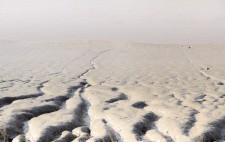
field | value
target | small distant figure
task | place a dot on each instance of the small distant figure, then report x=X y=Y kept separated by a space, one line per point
x=207 y=68
x=189 y=47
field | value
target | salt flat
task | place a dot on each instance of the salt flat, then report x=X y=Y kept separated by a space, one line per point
x=112 y=91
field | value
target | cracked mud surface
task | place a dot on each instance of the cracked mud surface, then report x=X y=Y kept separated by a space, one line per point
x=111 y=91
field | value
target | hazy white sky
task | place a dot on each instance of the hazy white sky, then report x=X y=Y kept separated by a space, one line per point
x=154 y=21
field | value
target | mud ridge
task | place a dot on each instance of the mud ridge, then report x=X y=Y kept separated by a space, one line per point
x=147 y=123
x=16 y=125
x=215 y=133
x=80 y=113
x=53 y=132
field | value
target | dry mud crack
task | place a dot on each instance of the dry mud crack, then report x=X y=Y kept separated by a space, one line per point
x=111 y=92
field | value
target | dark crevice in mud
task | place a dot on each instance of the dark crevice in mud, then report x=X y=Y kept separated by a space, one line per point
x=41 y=86
x=147 y=123
x=139 y=105
x=81 y=117
x=53 y=132
x=81 y=76
x=190 y=123
x=8 y=100
x=112 y=135
x=15 y=80
x=86 y=104
x=215 y=133
x=166 y=137
x=80 y=114
x=220 y=83
x=60 y=100
x=120 y=97
x=114 y=89
x=16 y=124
